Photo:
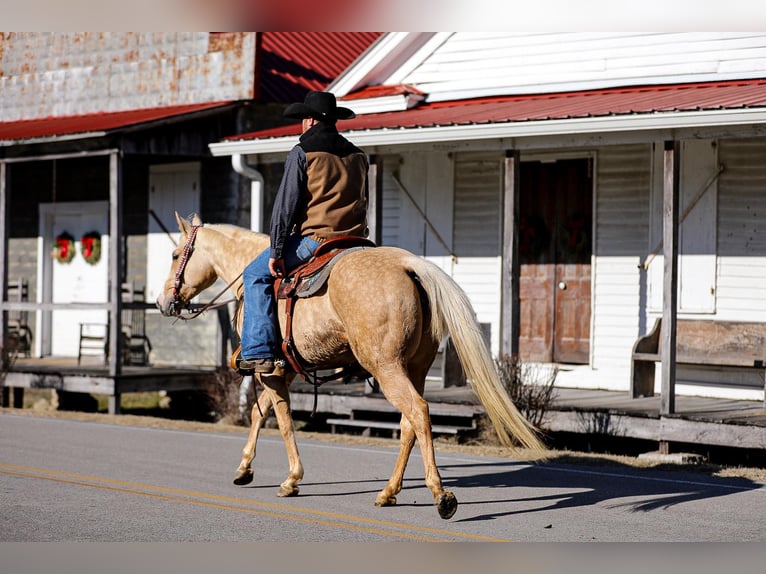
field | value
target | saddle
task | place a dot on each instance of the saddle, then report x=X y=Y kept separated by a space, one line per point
x=307 y=280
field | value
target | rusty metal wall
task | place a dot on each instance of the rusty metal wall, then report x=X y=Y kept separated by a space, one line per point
x=44 y=74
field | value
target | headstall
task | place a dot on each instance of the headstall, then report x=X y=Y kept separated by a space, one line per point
x=176 y=304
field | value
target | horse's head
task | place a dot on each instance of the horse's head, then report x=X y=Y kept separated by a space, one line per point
x=191 y=271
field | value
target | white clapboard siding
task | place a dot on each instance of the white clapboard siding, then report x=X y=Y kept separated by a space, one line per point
x=519 y=63
x=622 y=231
x=477 y=231
x=742 y=231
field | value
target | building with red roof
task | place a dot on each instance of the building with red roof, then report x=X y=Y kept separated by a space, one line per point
x=537 y=165
x=106 y=134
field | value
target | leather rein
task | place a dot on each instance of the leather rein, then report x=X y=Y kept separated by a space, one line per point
x=176 y=303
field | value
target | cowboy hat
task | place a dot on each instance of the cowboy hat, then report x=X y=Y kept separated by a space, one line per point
x=320 y=106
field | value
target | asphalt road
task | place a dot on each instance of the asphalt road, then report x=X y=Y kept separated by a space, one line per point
x=71 y=481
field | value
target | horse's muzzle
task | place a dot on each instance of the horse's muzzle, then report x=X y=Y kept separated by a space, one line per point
x=171 y=309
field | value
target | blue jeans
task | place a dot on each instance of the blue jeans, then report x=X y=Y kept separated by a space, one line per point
x=260 y=329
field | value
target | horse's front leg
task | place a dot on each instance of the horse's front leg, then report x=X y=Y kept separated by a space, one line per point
x=280 y=398
x=260 y=412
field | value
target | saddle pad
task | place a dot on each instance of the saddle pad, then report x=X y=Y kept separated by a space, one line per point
x=313 y=283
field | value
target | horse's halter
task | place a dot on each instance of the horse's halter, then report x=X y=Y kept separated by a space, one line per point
x=176 y=304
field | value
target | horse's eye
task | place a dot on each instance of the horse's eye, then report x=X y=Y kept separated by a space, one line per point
x=175 y=256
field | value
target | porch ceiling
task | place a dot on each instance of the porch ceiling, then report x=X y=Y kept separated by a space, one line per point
x=93 y=125
x=646 y=107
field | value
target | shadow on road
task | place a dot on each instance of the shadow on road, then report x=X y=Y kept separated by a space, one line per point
x=575 y=485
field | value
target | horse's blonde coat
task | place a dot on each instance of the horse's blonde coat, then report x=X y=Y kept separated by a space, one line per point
x=386 y=309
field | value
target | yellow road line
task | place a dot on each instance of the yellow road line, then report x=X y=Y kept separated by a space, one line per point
x=263 y=508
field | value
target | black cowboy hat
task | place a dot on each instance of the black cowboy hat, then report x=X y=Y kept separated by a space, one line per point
x=320 y=106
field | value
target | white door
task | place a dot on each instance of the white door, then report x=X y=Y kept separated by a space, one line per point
x=77 y=281
x=697 y=232
x=173 y=187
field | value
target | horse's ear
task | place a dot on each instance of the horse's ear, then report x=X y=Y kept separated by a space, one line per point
x=183 y=225
x=196 y=220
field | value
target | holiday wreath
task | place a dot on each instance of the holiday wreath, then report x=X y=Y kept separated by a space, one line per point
x=63 y=248
x=90 y=247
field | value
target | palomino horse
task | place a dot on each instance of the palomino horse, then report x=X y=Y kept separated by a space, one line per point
x=384 y=308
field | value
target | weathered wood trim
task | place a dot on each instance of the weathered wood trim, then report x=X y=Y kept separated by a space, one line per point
x=115 y=263
x=510 y=318
x=375 y=199
x=3 y=265
x=670 y=207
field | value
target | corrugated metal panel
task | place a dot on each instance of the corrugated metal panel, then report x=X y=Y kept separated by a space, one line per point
x=622 y=200
x=477 y=215
x=565 y=105
x=516 y=63
x=623 y=181
x=742 y=230
x=392 y=205
x=293 y=63
x=46 y=74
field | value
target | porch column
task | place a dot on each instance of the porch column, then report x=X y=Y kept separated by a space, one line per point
x=115 y=280
x=509 y=289
x=3 y=265
x=670 y=205
x=374 y=199
x=375 y=222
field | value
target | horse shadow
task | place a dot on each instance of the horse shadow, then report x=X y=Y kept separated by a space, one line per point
x=567 y=482
x=579 y=484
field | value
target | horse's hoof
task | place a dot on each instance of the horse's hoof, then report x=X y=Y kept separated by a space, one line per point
x=286 y=492
x=243 y=477
x=446 y=504
x=386 y=501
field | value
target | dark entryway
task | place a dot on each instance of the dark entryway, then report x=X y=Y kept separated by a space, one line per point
x=555 y=245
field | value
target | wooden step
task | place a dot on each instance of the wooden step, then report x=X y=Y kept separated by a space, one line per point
x=367 y=425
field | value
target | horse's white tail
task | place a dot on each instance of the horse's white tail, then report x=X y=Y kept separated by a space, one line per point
x=451 y=311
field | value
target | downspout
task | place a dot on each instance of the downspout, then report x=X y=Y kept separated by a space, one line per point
x=240 y=165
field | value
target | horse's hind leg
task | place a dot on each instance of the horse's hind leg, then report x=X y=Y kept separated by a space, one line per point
x=280 y=398
x=260 y=412
x=387 y=496
x=402 y=394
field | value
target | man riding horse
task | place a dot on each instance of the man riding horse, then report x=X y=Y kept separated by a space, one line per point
x=323 y=194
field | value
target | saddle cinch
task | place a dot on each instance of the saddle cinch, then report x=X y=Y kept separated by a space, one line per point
x=307 y=280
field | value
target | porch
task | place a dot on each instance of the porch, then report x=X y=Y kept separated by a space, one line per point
x=64 y=374
x=697 y=420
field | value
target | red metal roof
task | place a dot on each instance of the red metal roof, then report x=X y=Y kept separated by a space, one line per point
x=98 y=122
x=581 y=104
x=292 y=63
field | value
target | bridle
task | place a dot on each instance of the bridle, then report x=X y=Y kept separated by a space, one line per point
x=176 y=303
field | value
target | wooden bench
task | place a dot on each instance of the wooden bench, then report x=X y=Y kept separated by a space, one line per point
x=729 y=344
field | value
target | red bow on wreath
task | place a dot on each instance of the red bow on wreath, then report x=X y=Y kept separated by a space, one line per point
x=63 y=249
x=64 y=246
x=90 y=247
